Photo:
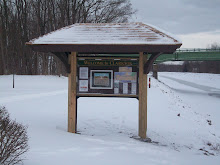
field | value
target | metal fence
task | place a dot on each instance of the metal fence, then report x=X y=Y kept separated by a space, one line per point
x=191 y=55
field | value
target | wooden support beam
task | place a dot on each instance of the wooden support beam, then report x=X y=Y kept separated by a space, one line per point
x=149 y=63
x=64 y=59
x=106 y=95
x=72 y=101
x=155 y=71
x=142 y=97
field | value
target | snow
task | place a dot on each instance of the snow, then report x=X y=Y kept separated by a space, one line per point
x=173 y=63
x=165 y=32
x=110 y=33
x=106 y=124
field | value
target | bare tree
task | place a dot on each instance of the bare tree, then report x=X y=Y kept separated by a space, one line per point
x=22 y=20
x=13 y=139
x=215 y=45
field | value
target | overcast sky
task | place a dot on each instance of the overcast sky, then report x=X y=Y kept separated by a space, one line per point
x=196 y=22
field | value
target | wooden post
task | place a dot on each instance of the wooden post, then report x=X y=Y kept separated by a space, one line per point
x=72 y=102
x=155 y=69
x=13 y=80
x=142 y=97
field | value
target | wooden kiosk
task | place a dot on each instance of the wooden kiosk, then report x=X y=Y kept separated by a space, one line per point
x=107 y=60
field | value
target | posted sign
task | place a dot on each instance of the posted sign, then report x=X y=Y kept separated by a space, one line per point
x=108 y=76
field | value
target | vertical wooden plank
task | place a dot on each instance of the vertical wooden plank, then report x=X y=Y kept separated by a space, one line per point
x=142 y=97
x=155 y=71
x=72 y=102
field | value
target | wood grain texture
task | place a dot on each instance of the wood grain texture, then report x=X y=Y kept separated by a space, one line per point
x=142 y=97
x=103 y=49
x=108 y=58
x=105 y=95
x=155 y=71
x=72 y=102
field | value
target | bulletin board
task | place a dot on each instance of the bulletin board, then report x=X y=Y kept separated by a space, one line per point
x=107 y=76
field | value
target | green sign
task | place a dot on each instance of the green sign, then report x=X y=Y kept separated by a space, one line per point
x=107 y=62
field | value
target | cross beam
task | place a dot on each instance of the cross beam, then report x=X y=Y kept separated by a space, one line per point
x=63 y=56
x=149 y=63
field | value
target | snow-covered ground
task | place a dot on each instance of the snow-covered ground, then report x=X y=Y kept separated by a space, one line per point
x=183 y=112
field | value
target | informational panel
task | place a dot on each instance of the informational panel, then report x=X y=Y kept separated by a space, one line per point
x=83 y=73
x=101 y=79
x=126 y=79
x=108 y=76
x=83 y=85
x=125 y=69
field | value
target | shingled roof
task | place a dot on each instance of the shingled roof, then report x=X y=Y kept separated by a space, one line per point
x=106 y=38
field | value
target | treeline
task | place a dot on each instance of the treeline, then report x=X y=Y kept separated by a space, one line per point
x=23 y=20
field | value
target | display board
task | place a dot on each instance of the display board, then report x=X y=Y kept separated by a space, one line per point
x=101 y=79
x=107 y=76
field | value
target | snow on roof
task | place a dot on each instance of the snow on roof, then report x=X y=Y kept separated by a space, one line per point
x=107 y=33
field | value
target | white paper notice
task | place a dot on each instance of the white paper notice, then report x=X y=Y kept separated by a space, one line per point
x=83 y=72
x=125 y=69
x=133 y=88
x=125 y=88
x=83 y=85
x=116 y=90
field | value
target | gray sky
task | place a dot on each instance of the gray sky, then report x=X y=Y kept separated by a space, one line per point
x=196 y=22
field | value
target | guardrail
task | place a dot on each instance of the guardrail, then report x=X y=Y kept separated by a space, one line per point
x=191 y=55
x=197 y=50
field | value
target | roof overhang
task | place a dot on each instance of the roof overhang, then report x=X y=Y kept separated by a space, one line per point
x=104 y=49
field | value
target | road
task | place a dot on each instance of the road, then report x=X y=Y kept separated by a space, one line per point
x=211 y=91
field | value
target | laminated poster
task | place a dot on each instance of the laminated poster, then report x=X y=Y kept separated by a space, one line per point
x=126 y=77
x=116 y=87
x=101 y=79
x=116 y=90
x=125 y=69
x=133 y=88
x=83 y=85
x=125 y=88
x=83 y=72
